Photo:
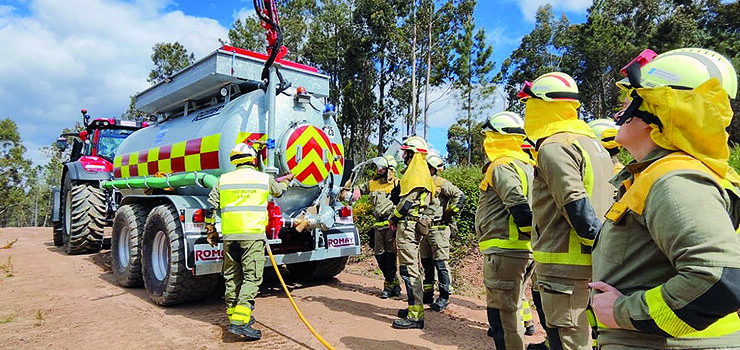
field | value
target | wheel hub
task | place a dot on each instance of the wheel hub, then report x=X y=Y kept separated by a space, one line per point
x=124 y=248
x=160 y=256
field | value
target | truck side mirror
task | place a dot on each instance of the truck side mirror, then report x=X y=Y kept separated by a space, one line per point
x=61 y=144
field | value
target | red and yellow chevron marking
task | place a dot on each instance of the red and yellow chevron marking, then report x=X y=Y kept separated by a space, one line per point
x=191 y=155
x=338 y=164
x=309 y=166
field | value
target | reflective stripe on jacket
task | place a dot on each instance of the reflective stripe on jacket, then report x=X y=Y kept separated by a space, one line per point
x=244 y=193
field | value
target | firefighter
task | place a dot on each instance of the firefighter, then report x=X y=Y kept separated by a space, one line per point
x=434 y=249
x=606 y=130
x=504 y=223
x=570 y=193
x=416 y=191
x=666 y=259
x=384 y=247
x=241 y=197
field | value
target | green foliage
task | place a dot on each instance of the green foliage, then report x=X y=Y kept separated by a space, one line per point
x=168 y=58
x=735 y=158
x=467 y=179
x=457 y=143
x=362 y=212
x=14 y=172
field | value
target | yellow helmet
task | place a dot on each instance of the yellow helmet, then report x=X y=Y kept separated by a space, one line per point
x=415 y=144
x=434 y=160
x=550 y=87
x=243 y=153
x=683 y=69
x=680 y=68
x=505 y=123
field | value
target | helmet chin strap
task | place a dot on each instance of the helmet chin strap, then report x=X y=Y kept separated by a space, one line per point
x=633 y=110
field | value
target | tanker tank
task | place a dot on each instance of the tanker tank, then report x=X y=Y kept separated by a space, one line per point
x=198 y=116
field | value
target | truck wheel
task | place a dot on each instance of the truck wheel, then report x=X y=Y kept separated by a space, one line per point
x=83 y=216
x=317 y=270
x=128 y=231
x=58 y=234
x=166 y=278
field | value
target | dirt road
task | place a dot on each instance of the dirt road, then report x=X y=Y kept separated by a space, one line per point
x=51 y=300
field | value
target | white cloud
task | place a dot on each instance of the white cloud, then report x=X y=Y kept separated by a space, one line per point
x=529 y=7
x=94 y=54
x=244 y=13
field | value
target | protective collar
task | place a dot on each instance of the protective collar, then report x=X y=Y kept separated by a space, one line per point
x=692 y=121
x=543 y=119
x=497 y=145
x=417 y=175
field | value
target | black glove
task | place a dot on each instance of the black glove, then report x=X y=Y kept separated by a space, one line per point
x=396 y=194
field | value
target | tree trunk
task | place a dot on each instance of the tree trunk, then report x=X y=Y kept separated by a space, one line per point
x=381 y=105
x=429 y=73
x=413 y=74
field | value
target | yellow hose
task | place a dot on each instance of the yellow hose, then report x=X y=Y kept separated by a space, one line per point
x=292 y=302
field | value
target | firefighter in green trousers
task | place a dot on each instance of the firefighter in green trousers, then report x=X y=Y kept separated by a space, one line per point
x=666 y=263
x=570 y=195
x=241 y=197
x=379 y=191
x=504 y=223
x=416 y=191
x=434 y=249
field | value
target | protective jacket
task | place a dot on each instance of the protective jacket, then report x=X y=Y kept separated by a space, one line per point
x=670 y=247
x=571 y=193
x=447 y=200
x=241 y=197
x=379 y=191
x=503 y=219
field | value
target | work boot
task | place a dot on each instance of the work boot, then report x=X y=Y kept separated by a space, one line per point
x=402 y=313
x=246 y=330
x=405 y=323
x=538 y=346
x=428 y=297
x=387 y=291
x=396 y=291
x=529 y=330
x=440 y=304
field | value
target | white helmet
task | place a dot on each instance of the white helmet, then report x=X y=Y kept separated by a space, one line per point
x=505 y=123
x=243 y=153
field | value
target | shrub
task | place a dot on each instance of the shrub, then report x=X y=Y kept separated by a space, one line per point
x=467 y=179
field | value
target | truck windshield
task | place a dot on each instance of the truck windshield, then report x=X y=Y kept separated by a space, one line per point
x=109 y=140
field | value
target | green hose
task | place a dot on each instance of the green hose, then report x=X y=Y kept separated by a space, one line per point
x=177 y=180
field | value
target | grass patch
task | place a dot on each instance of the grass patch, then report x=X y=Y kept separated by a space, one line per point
x=7 y=268
x=7 y=319
x=40 y=318
x=9 y=244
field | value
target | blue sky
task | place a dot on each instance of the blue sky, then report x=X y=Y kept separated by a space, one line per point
x=61 y=56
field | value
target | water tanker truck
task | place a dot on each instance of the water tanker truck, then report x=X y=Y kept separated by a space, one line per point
x=165 y=172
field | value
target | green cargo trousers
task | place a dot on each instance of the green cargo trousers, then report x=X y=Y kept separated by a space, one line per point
x=434 y=250
x=385 y=254
x=505 y=278
x=408 y=235
x=244 y=264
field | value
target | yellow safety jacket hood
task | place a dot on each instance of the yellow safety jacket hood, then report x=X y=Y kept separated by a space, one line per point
x=611 y=143
x=417 y=175
x=543 y=119
x=694 y=122
x=498 y=145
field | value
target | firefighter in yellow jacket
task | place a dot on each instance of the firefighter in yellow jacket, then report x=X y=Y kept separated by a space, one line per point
x=416 y=193
x=384 y=247
x=241 y=197
x=434 y=249
x=667 y=260
x=570 y=195
x=504 y=223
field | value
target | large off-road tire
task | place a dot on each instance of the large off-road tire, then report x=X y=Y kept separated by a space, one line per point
x=83 y=217
x=58 y=233
x=128 y=232
x=317 y=270
x=166 y=278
